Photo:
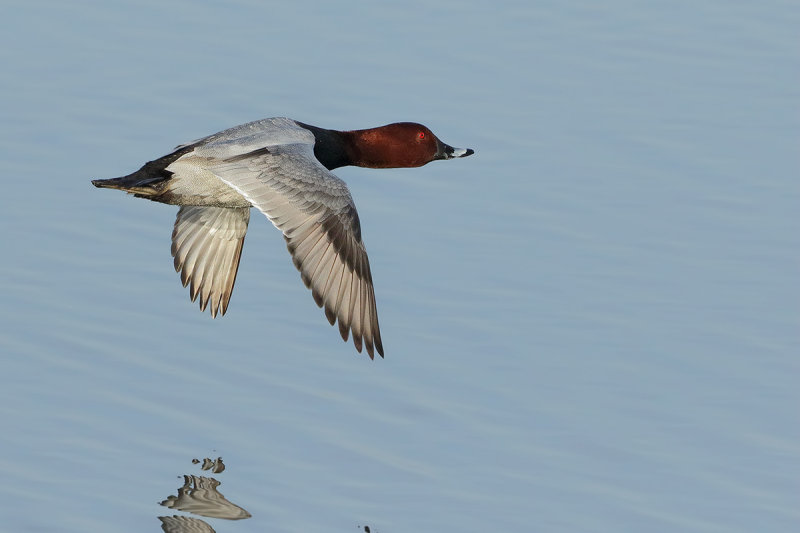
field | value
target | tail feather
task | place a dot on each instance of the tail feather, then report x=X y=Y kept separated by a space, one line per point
x=134 y=183
x=150 y=180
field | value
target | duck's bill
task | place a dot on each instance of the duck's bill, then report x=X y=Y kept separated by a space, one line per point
x=445 y=151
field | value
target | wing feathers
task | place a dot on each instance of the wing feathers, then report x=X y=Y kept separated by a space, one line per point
x=314 y=210
x=207 y=245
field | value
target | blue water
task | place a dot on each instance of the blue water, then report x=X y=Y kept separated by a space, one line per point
x=590 y=325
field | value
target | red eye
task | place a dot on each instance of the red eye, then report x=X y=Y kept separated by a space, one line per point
x=421 y=135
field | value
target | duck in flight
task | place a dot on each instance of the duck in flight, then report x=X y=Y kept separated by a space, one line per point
x=281 y=167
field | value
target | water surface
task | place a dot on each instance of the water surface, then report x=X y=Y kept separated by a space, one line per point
x=590 y=325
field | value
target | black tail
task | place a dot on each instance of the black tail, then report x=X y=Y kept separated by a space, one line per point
x=134 y=184
x=150 y=180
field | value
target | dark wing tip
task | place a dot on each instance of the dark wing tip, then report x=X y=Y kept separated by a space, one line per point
x=357 y=341
x=317 y=297
x=344 y=331
x=330 y=315
x=370 y=349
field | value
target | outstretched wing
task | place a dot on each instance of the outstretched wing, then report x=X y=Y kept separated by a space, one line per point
x=207 y=244
x=314 y=210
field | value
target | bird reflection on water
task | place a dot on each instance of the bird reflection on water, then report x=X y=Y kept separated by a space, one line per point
x=199 y=495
